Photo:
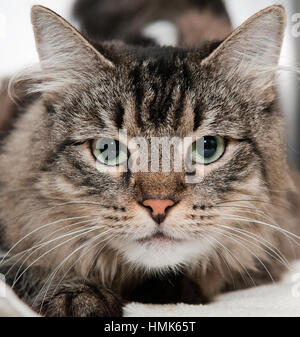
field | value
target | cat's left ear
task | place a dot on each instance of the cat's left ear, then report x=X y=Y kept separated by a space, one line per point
x=64 y=53
x=251 y=53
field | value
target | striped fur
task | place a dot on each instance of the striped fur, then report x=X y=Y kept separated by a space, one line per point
x=81 y=228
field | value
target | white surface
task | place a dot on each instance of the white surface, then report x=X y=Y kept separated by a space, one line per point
x=11 y=306
x=275 y=300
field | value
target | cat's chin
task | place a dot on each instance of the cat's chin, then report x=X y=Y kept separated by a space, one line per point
x=161 y=252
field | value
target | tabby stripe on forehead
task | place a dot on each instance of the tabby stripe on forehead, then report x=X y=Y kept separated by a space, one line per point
x=139 y=95
x=198 y=116
x=159 y=107
x=161 y=104
x=119 y=115
x=179 y=108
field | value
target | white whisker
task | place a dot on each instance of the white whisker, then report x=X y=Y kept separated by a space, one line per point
x=284 y=231
x=52 y=275
x=234 y=258
x=49 y=251
x=45 y=243
x=252 y=254
x=37 y=229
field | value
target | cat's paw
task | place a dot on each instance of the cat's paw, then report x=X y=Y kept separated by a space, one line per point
x=74 y=299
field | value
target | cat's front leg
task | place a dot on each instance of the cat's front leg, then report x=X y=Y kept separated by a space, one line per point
x=73 y=297
x=78 y=298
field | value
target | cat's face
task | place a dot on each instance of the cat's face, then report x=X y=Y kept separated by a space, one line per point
x=151 y=100
x=161 y=93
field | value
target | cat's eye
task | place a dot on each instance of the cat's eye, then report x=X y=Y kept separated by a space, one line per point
x=207 y=150
x=109 y=151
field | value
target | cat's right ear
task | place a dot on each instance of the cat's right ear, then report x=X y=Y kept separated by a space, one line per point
x=64 y=53
x=251 y=53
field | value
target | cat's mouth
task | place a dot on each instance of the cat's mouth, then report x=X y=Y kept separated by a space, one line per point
x=158 y=237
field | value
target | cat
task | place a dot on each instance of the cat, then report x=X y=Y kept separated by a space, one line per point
x=84 y=232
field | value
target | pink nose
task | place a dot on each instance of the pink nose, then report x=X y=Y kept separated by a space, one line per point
x=158 y=208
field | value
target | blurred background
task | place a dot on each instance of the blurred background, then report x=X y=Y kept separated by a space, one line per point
x=18 y=49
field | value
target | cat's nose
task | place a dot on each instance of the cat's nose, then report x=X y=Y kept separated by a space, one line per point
x=158 y=208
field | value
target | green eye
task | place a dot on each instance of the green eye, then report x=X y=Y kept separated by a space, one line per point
x=109 y=151
x=207 y=150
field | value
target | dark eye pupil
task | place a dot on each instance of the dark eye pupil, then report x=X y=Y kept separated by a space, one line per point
x=109 y=148
x=210 y=146
x=207 y=147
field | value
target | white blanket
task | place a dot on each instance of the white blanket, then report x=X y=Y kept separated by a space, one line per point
x=280 y=299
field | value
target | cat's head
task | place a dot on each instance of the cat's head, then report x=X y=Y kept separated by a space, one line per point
x=221 y=100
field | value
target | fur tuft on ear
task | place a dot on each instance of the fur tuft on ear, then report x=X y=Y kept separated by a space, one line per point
x=61 y=45
x=252 y=51
x=66 y=57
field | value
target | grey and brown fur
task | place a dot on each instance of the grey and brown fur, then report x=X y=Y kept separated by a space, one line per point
x=72 y=231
